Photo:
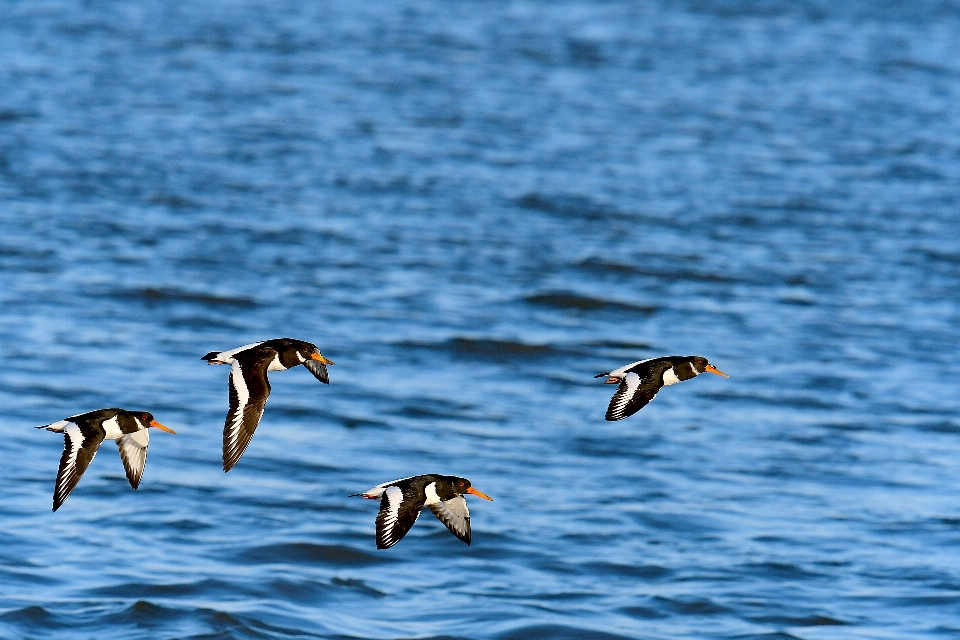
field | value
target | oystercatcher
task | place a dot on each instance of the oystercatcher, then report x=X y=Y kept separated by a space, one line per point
x=83 y=435
x=402 y=500
x=249 y=387
x=640 y=381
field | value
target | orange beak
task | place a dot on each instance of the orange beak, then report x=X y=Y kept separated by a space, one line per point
x=713 y=369
x=154 y=423
x=317 y=356
x=473 y=491
x=612 y=380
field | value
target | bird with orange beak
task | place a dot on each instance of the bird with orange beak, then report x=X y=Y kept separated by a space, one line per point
x=401 y=502
x=83 y=435
x=250 y=388
x=640 y=381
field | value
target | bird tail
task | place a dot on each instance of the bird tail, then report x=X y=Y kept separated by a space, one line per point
x=56 y=427
x=600 y=375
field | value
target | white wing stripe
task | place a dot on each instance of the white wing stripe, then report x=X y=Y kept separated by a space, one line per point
x=622 y=399
x=243 y=396
x=394 y=499
x=75 y=436
x=227 y=356
x=618 y=373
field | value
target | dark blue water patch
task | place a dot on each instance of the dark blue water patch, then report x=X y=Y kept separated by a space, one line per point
x=173 y=201
x=576 y=302
x=619 y=345
x=297 y=413
x=643 y=572
x=638 y=448
x=939 y=426
x=557 y=632
x=143 y=615
x=804 y=621
x=171 y=295
x=205 y=323
x=10 y=577
x=909 y=173
x=351 y=422
x=8 y=116
x=48 y=391
x=673 y=271
x=695 y=527
x=485 y=348
x=690 y=607
x=304 y=592
x=642 y=613
x=310 y=553
x=607 y=267
x=34 y=617
x=433 y=409
x=792 y=400
x=188 y=525
x=781 y=571
x=305 y=471
x=571 y=206
x=203 y=588
x=359 y=586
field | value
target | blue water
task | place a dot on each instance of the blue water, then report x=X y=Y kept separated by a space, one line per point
x=473 y=208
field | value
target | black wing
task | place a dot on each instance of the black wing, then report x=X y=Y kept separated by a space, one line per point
x=79 y=449
x=632 y=395
x=318 y=369
x=455 y=515
x=399 y=509
x=249 y=390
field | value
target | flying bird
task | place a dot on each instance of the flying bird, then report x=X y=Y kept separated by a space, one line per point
x=640 y=381
x=82 y=436
x=402 y=500
x=249 y=387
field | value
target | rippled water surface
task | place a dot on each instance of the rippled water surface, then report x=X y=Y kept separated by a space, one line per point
x=473 y=208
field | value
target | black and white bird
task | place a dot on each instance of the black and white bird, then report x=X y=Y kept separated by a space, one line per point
x=402 y=500
x=640 y=381
x=249 y=387
x=82 y=436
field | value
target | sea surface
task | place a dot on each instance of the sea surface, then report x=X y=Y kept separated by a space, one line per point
x=473 y=208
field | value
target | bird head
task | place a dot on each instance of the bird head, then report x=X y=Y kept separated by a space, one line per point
x=700 y=364
x=146 y=419
x=462 y=486
x=315 y=362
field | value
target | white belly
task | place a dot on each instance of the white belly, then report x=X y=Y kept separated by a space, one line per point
x=670 y=377
x=431 y=492
x=275 y=364
x=112 y=429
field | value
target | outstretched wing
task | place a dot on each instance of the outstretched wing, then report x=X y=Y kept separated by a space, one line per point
x=399 y=509
x=632 y=395
x=79 y=449
x=249 y=390
x=455 y=515
x=318 y=369
x=133 y=453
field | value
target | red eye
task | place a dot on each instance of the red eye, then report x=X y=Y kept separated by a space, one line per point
x=461 y=484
